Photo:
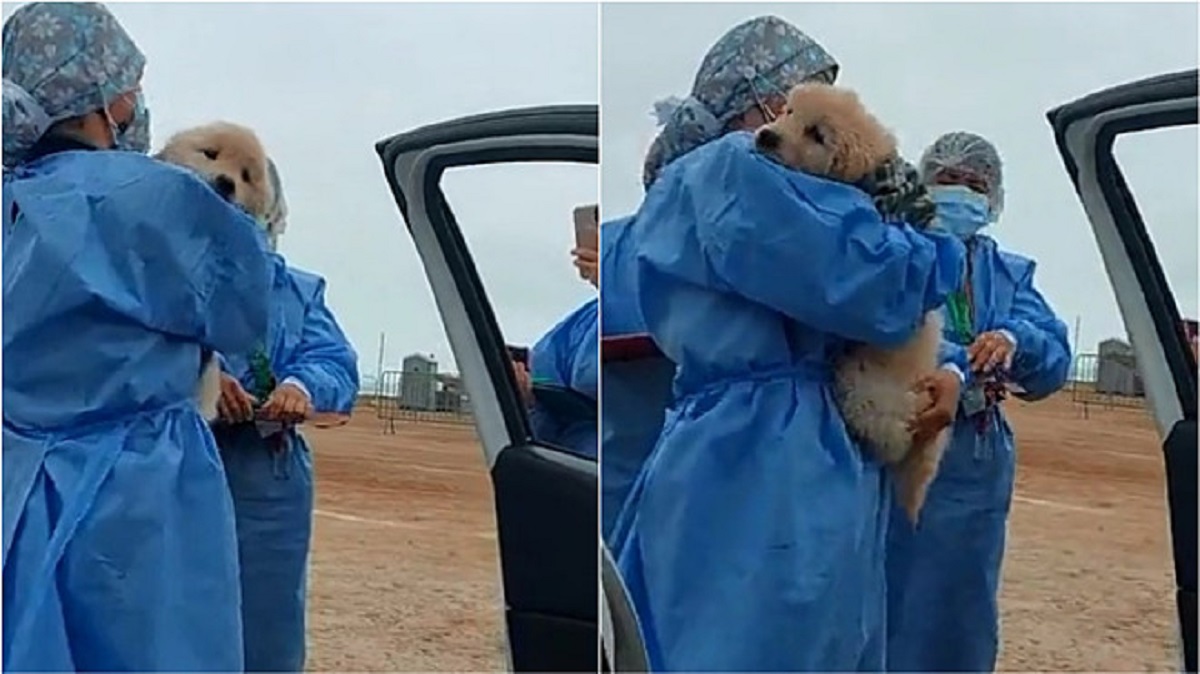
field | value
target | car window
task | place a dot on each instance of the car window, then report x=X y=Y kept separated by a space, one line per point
x=517 y=221
x=1163 y=172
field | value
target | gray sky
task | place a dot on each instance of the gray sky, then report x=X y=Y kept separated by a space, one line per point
x=321 y=83
x=925 y=69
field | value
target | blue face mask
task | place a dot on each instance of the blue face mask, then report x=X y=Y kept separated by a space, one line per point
x=961 y=211
x=133 y=136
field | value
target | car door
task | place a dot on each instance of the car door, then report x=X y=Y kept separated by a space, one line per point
x=545 y=497
x=1086 y=131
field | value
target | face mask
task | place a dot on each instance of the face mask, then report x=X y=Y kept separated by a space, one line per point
x=134 y=135
x=961 y=211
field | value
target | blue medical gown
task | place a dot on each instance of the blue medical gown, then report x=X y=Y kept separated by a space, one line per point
x=636 y=392
x=753 y=538
x=119 y=544
x=618 y=280
x=567 y=356
x=271 y=479
x=944 y=576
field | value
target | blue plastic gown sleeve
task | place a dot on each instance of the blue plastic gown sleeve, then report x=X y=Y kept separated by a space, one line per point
x=950 y=353
x=566 y=354
x=201 y=269
x=812 y=249
x=1042 y=360
x=325 y=361
x=618 y=281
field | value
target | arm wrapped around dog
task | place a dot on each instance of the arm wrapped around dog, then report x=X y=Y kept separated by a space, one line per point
x=833 y=266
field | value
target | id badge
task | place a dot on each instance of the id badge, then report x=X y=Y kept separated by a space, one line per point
x=974 y=401
x=268 y=428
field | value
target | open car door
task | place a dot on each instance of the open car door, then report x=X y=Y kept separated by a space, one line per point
x=1085 y=131
x=546 y=498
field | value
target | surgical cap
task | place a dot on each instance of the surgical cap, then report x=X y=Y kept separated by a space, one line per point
x=275 y=220
x=61 y=60
x=969 y=153
x=756 y=59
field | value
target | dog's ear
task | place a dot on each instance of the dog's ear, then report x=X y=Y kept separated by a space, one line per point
x=851 y=162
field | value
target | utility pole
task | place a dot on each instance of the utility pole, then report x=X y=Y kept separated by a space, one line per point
x=1076 y=375
x=379 y=367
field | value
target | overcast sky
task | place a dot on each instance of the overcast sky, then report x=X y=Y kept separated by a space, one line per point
x=321 y=83
x=925 y=69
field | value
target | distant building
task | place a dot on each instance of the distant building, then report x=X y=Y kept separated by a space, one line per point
x=418 y=383
x=450 y=394
x=1116 y=371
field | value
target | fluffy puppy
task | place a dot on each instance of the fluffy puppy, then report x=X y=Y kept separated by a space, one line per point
x=232 y=160
x=826 y=131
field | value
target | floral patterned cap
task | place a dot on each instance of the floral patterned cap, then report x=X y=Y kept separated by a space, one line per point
x=275 y=220
x=756 y=59
x=61 y=60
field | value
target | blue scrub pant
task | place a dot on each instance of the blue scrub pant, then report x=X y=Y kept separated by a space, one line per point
x=272 y=485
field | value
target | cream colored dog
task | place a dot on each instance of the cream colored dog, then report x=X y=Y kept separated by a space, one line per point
x=232 y=160
x=826 y=131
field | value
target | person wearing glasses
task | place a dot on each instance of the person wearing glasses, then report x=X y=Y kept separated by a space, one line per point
x=753 y=537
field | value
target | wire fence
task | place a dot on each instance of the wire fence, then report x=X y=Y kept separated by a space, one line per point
x=1111 y=383
x=419 y=397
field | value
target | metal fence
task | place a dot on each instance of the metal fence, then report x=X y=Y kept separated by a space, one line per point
x=1114 y=385
x=421 y=397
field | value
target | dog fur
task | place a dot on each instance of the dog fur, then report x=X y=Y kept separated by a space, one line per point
x=232 y=160
x=826 y=131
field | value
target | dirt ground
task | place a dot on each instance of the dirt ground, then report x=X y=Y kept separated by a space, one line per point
x=1088 y=577
x=404 y=574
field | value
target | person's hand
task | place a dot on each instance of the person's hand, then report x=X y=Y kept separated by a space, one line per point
x=524 y=382
x=940 y=389
x=989 y=350
x=587 y=261
x=234 y=405
x=288 y=403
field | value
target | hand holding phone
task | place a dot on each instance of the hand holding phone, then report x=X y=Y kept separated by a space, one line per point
x=587 y=227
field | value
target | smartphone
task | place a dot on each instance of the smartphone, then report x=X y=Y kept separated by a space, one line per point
x=519 y=354
x=587 y=227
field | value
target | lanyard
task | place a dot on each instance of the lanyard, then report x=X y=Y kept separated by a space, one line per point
x=264 y=379
x=961 y=304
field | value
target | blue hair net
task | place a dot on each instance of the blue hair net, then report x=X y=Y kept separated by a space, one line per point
x=758 y=58
x=970 y=153
x=275 y=219
x=61 y=60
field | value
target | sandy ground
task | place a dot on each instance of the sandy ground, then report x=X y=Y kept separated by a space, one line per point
x=1088 y=578
x=404 y=574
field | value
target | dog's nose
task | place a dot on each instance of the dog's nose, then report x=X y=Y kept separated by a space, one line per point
x=767 y=139
x=224 y=186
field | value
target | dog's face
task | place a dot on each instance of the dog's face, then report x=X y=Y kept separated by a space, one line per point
x=230 y=158
x=826 y=131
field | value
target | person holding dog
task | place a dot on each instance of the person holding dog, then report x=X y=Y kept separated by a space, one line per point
x=120 y=274
x=944 y=575
x=304 y=367
x=753 y=538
